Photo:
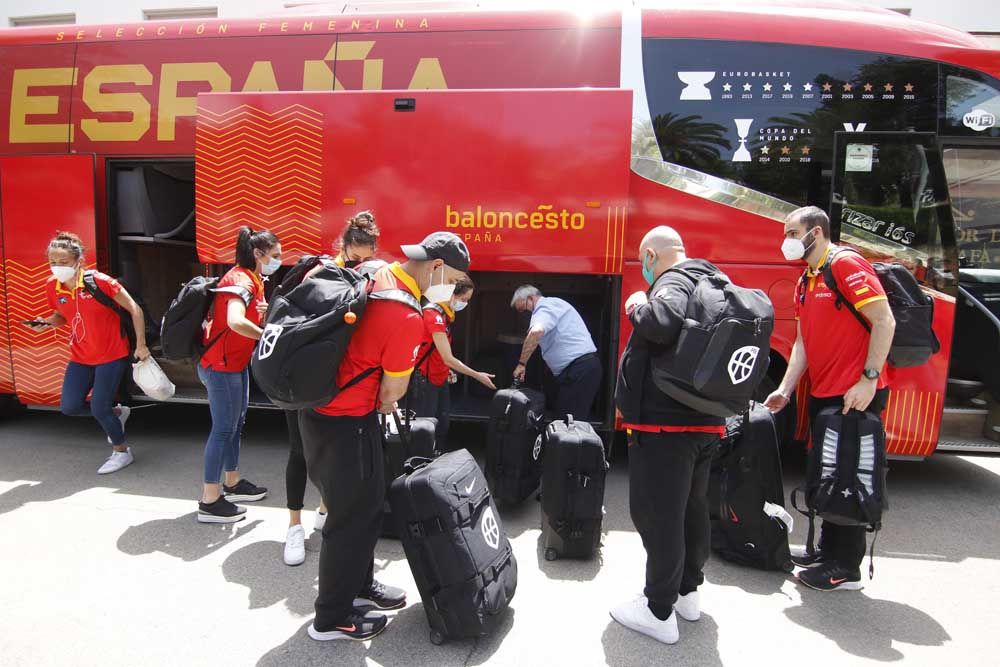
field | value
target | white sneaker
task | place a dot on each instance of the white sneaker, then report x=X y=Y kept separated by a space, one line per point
x=635 y=615
x=320 y=520
x=688 y=606
x=295 y=545
x=116 y=462
x=123 y=415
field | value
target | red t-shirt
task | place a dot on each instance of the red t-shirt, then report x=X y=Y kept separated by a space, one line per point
x=434 y=368
x=388 y=339
x=231 y=352
x=835 y=342
x=95 y=330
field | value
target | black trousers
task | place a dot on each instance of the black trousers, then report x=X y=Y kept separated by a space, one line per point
x=295 y=469
x=844 y=544
x=344 y=459
x=426 y=399
x=577 y=387
x=668 y=499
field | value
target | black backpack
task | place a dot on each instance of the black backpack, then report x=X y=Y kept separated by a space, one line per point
x=182 y=326
x=306 y=334
x=722 y=351
x=914 y=341
x=746 y=474
x=125 y=317
x=845 y=473
x=293 y=278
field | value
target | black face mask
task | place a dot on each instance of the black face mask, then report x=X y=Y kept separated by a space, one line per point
x=351 y=263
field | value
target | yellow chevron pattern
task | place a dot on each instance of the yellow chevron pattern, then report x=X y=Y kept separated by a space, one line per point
x=262 y=169
x=6 y=371
x=39 y=358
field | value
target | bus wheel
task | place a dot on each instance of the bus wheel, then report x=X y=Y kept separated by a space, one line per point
x=10 y=406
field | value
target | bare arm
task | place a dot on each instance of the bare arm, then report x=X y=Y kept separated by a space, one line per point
x=443 y=346
x=883 y=324
x=531 y=342
x=797 y=365
x=236 y=318
x=392 y=389
x=125 y=300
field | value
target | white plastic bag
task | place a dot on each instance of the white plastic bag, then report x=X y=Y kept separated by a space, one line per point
x=152 y=380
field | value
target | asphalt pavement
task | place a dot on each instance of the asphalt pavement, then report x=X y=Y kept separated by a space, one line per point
x=115 y=570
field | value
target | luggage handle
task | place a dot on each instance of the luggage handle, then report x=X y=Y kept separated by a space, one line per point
x=467 y=512
x=415 y=463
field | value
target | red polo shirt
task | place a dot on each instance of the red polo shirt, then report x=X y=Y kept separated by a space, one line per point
x=95 y=330
x=835 y=342
x=231 y=352
x=388 y=338
x=434 y=368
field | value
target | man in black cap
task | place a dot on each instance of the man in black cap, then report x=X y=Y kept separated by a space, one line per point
x=342 y=440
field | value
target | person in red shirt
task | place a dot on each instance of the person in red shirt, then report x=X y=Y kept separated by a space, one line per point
x=232 y=330
x=845 y=364
x=98 y=342
x=670 y=446
x=357 y=245
x=343 y=440
x=429 y=394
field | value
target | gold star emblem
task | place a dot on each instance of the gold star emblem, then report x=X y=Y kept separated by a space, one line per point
x=785 y=150
x=868 y=87
x=765 y=150
x=848 y=87
x=908 y=87
x=827 y=87
x=805 y=150
x=888 y=87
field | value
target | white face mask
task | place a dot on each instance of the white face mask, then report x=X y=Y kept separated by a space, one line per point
x=793 y=249
x=270 y=266
x=63 y=274
x=440 y=293
x=458 y=306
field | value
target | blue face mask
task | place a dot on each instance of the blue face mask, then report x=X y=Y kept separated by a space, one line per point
x=647 y=272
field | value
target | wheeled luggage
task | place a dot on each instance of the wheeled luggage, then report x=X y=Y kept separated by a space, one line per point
x=405 y=437
x=572 y=490
x=455 y=543
x=746 y=497
x=514 y=444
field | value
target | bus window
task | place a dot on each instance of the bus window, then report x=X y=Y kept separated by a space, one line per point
x=764 y=115
x=974 y=185
x=890 y=200
x=972 y=104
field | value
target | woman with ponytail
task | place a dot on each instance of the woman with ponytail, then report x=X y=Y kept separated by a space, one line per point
x=93 y=304
x=232 y=330
x=357 y=245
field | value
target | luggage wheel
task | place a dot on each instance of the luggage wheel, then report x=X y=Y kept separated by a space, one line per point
x=551 y=554
x=437 y=638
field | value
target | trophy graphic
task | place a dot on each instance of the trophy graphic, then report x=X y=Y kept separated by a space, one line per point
x=696 y=88
x=743 y=129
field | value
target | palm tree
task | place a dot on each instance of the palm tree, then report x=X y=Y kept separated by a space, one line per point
x=688 y=141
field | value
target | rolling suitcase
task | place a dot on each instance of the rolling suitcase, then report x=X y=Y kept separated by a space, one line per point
x=514 y=443
x=746 y=495
x=572 y=490
x=417 y=439
x=455 y=544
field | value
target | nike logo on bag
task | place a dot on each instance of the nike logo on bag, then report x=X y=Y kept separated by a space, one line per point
x=471 y=485
x=732 y=515
x=836 y=582
x=352 y=628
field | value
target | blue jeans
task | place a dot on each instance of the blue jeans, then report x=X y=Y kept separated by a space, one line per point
x=228 y=396
x=102 y=381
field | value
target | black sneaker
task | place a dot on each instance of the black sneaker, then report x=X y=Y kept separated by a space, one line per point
x=802 y=558
x=221 y=511
x=356 y=626
x=244 y=492
x=830 y=576
x=382 y=597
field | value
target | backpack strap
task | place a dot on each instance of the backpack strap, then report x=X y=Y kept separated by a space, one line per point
x=90 y=284
x=241 y=292
x=831 y=282
x=396 y=294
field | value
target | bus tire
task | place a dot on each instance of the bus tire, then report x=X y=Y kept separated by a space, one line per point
x=10 y=406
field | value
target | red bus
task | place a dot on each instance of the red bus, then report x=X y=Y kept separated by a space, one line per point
x=551 y=141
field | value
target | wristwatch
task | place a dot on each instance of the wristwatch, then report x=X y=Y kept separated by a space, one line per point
x=871 y=373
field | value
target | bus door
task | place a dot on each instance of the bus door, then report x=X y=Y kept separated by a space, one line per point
x=890 y=201
x=39 y=195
